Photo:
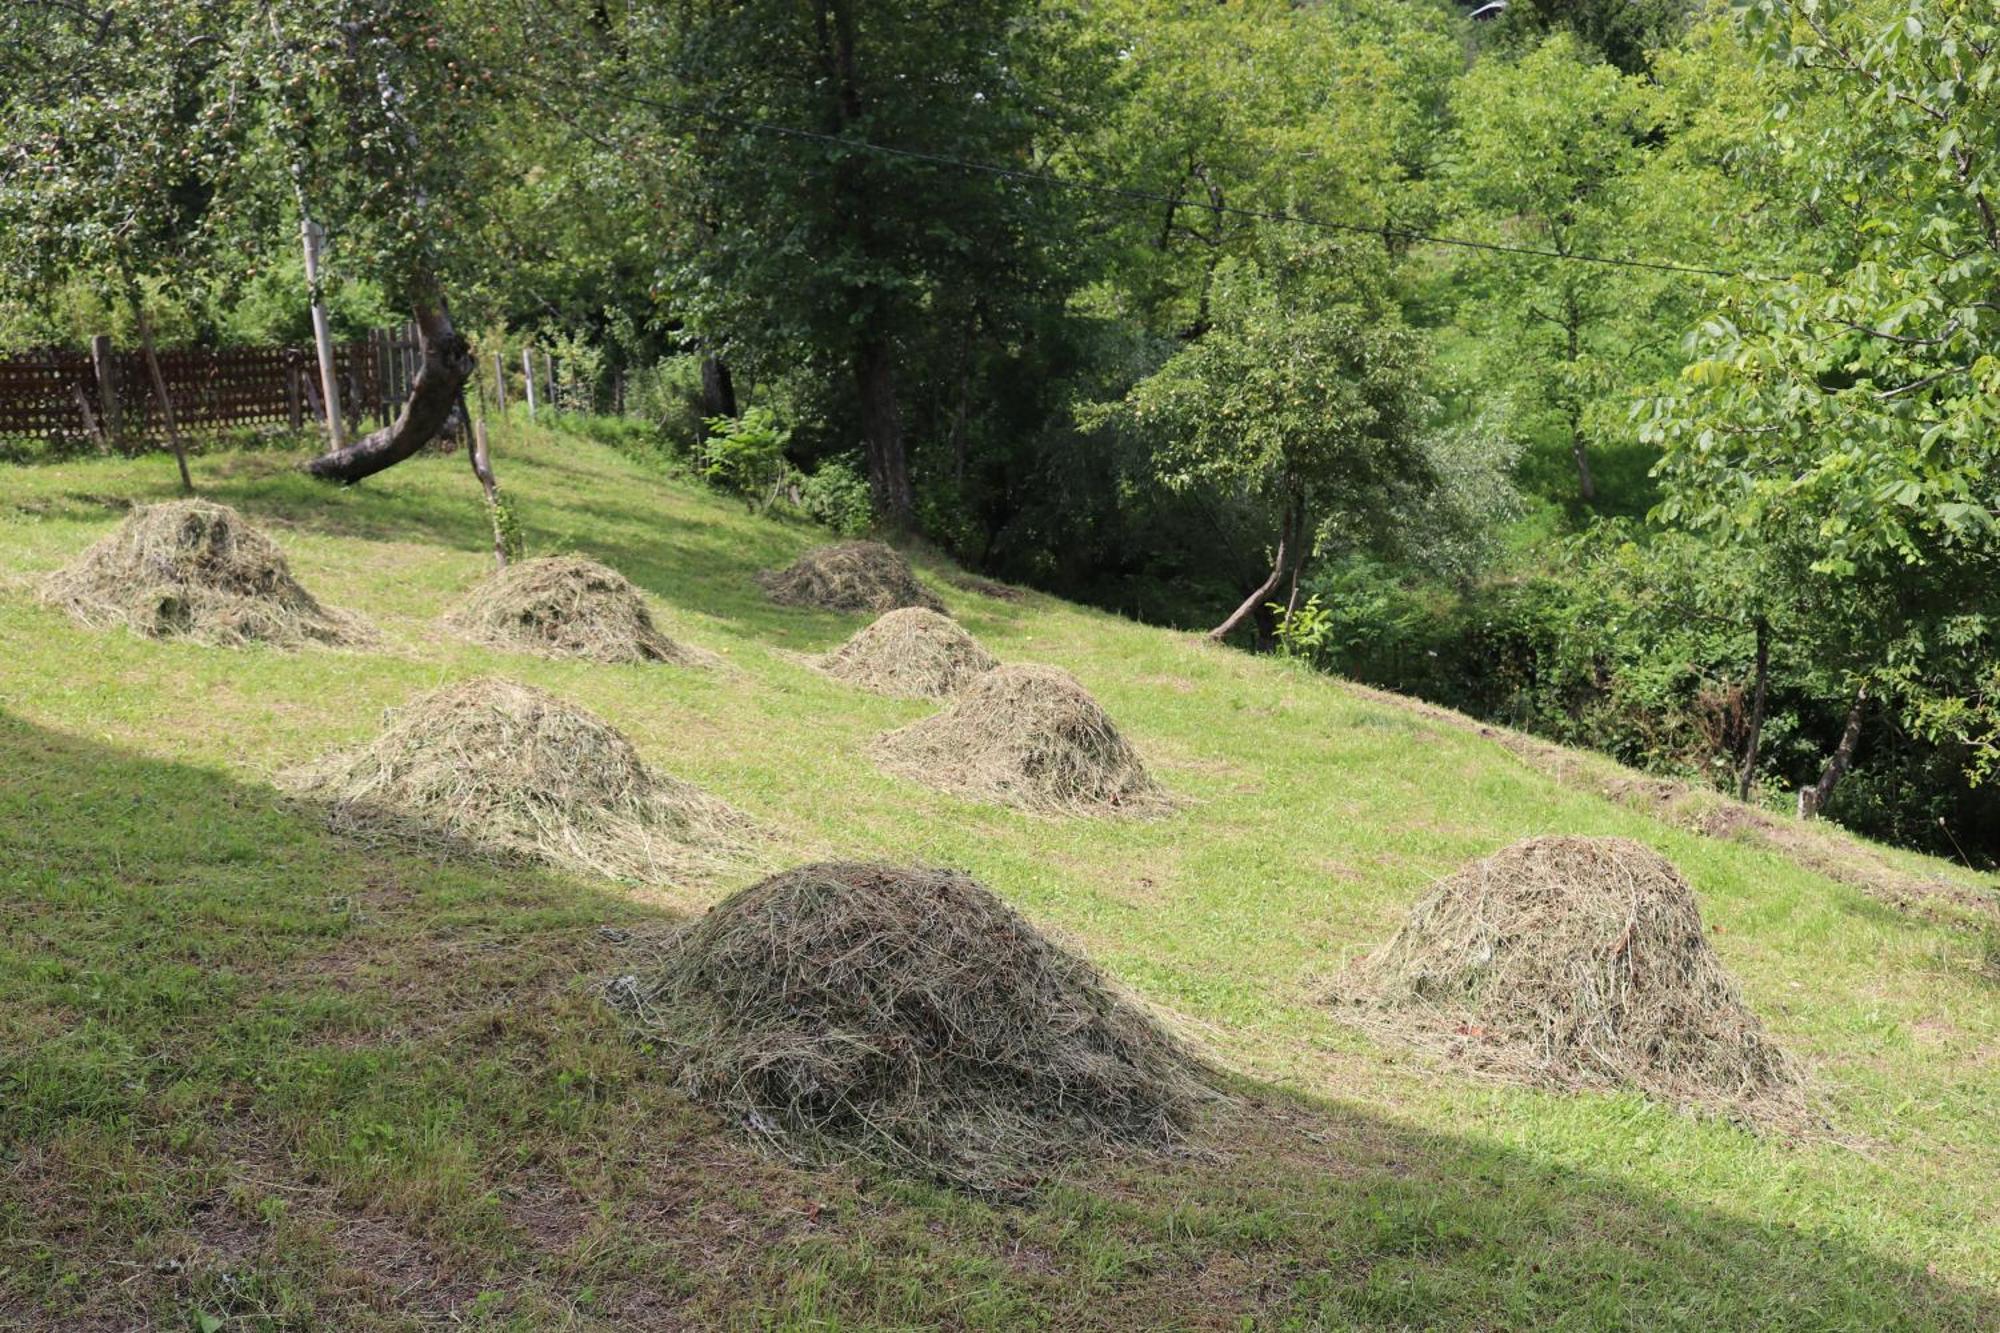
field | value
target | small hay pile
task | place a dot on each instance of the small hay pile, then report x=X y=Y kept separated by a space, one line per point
x=566 y=606
x=505 y=769
x=1569 y=962
x=1028 y=736
x=194 y=570
x=849 y=576
x=913 y=652
x=912 y=1017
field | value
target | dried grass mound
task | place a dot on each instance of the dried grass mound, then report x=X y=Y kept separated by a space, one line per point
x=194 y=570
x=1027 y=736
x=849 y=576
x=493 y=766
x=1572 y=962
x=911 y=1017
x=913 y=652
x=567 y=606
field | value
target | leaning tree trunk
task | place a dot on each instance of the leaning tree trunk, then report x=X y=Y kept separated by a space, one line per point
x=1813 y=799
x=1288 y=539
x=440 y=383
x=160 y=389
x=882 y=434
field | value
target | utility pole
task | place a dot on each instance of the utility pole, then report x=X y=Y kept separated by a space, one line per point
x=313 y=237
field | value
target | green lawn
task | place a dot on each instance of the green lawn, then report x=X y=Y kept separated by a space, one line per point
x=255 y=1077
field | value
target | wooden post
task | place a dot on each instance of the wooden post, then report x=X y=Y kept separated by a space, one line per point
x=499 y=384
x=528 y=375
x=385 y=402
x=295 y=405
x=107 y=383
x=329 y=377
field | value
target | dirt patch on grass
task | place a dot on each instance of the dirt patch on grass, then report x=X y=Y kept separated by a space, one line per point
x=1820 y=847
x=1577 y=962
x=1031 y=737
x=194 y=570
x=849 y=576
x=567 y=606
x=912 y=652
x=503 y=768
x=911 y=1017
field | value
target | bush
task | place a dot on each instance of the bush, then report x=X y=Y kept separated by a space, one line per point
x=745 y=455
x=836 y=494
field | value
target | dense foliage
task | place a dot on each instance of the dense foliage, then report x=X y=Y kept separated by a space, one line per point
x=1296 y=309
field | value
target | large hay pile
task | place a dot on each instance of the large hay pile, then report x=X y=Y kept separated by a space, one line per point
x=913 y=652
x=195 y=570
x=1028 y=736
x=912 y=1017
x=567 y=606
x=849 y=576
x=1574 y=961
x=506 y=769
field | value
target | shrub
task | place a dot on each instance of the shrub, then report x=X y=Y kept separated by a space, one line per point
x=836 y=494
x=745 y=455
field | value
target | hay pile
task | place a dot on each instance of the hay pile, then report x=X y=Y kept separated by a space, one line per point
x=505 y=769
x=913 y=652
x=566 y=606
x=195 y=570
x=1027 y=736
x=849 y=576
x=1571 y=962
x=912 y=1017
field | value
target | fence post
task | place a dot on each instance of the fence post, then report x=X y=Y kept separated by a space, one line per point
x=528 y=375
x=107 y=383
x=295 y=405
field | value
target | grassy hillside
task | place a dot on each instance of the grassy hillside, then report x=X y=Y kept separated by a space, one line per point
x=254 y=1076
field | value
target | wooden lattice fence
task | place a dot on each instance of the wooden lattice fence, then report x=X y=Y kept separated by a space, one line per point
x=64 y=398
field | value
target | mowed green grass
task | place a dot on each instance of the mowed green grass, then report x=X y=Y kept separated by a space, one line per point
x=252 y=1076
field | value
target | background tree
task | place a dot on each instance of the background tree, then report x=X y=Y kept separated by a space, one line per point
x=1542 y=154
x=1304 y=395
x=114 y=138
x=381 y=112
x=1843 y=423
x=820 y=255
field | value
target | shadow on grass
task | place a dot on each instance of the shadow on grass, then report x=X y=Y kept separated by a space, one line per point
x=252 y=1072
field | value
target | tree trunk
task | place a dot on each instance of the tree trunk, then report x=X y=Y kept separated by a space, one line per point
x=1578 y=447
x=160 y=388
x=1813 y=799
x=482 y=468
x=882 y=435
x=1748 y=772
x=1579 y=450
x=718 y=389
x=1287 y=537
x=440 y=383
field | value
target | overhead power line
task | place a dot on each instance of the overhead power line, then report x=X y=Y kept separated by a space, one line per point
x=1130 y=195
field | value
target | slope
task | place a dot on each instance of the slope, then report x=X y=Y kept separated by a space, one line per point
x=250 y=1072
